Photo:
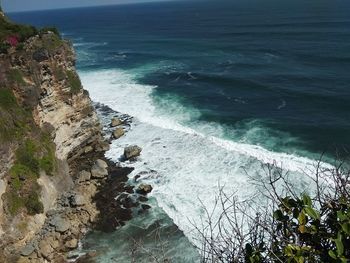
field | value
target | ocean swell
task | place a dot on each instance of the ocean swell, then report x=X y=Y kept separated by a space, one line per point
x=190 y=163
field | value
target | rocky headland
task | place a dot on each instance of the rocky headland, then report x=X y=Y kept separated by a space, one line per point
x=55 y=183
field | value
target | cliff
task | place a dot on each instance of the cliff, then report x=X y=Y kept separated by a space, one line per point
x=50 y=145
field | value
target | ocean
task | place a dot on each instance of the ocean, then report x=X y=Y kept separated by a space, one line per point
x=216 y=88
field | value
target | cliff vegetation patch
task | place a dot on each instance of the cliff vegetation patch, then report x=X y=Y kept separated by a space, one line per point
x=23 y=190
x=73 y=82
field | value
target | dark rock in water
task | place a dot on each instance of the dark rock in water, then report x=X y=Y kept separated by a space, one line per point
x=126 y=201
x=129 y=189
x=114 y=213
x=137 y=177
x=88 y=258
x=132 y=152
x=142 y=198
x=145 y=207
x=41 y=55
x=144 y=189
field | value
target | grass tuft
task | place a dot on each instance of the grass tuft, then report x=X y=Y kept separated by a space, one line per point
x=15 y=75
x=7 y=99
x=74 y=82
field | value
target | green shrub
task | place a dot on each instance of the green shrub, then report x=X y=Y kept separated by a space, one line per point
x=8 y=28
x=33 y=204
x=18 y=173
x=20 y=46
x=73 y=82
x=47 y=163
x=4 y=47
x=59 y=74
x=46 y=30
x=16 y=76
x=25 y=155
x=51 y=42
x=23 y=189
x=11 y=116
x=7 y=99
x=14 y=201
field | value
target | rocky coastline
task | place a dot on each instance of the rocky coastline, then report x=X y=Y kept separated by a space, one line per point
x=55 y=182
x=101 y=199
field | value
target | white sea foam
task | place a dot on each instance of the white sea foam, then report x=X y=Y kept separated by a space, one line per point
x=190 y=162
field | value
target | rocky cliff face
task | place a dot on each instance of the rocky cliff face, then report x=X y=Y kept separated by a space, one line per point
x=50 y=139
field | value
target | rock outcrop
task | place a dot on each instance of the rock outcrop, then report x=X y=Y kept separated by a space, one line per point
x=51 y=150
x=144 y=189
x=132 y=152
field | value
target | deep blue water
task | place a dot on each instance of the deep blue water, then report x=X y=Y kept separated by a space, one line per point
x=273 y=73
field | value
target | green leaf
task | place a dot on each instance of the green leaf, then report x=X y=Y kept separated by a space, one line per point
x=332 y=254
x=346 y=228
x=340 y=246
x=312 y=213
x=342 y=216
x=288 y=250
x=301 y=260
x=302 y=218
x=307 y=200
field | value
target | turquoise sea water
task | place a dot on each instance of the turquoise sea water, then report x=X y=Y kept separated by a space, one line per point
x=216 y=89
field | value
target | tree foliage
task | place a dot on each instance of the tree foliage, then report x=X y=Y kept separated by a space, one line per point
x=291 y=227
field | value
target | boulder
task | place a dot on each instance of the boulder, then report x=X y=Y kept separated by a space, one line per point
x=145 y=207
x=142 y=198
x=28 y=249
x=41 y=55
x=119 y=132
x=84 y=176
x=132 y=152
x=116 y=122
x=61 y=225
x=78 y=200
x=144 y=189
x=45 y=249
x=99 y=169
x=102 y=146
x=71 y=244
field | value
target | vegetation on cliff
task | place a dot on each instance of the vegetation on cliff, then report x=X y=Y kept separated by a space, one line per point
x=14 y=35
x=35 y=153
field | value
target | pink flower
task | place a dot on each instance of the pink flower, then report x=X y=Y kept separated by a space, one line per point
x=12 y=40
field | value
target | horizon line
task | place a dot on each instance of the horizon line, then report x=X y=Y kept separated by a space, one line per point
x=87 y=6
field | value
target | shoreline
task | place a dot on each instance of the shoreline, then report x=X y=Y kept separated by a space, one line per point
x=121 y=200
